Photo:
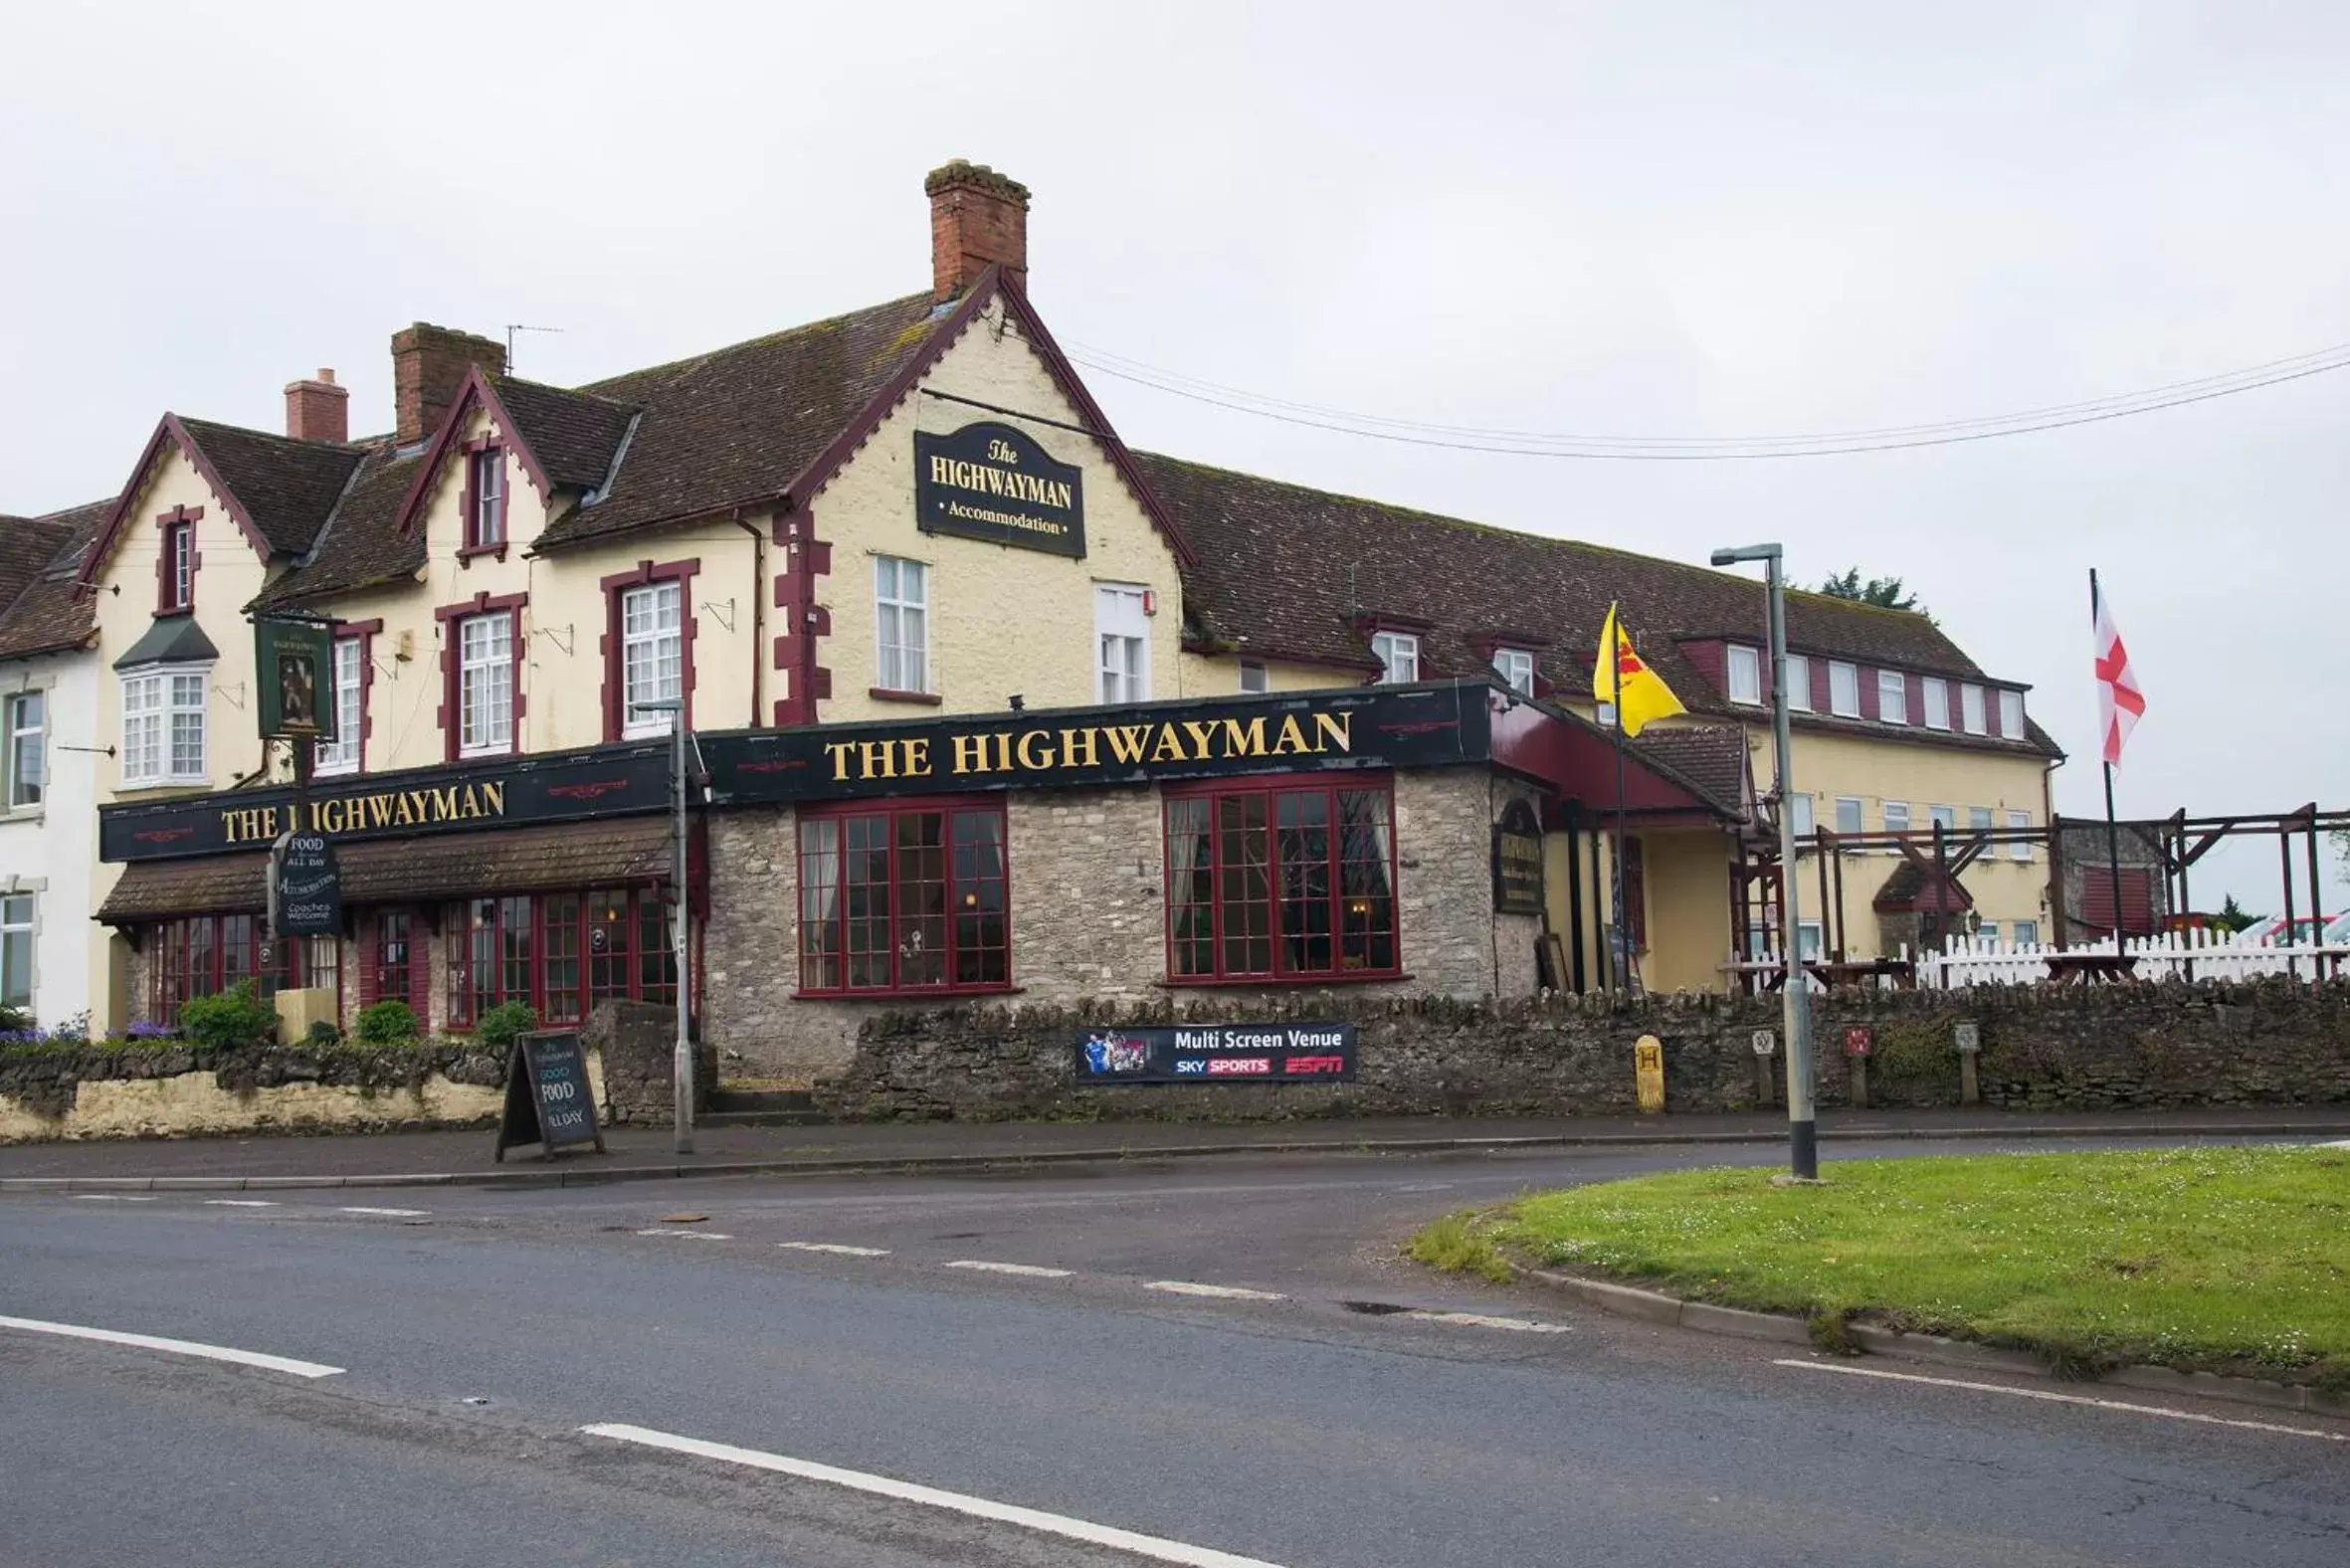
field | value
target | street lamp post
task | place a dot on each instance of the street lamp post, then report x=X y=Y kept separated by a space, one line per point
x=682 y=1073
x=1803 y=1135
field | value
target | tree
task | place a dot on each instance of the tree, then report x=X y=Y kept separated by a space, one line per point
x=1883 y=592
x=2233 y=919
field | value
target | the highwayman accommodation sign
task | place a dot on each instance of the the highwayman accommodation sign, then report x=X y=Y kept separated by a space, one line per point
x=1517 y=861
x=306 y=887
x=993 y=483
x=1385 y=726
x=507 y=793
x=1218 y=1054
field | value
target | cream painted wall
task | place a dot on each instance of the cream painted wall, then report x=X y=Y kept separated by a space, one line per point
x=1002 y=620
x=1688 y=908
x=1219 y=674
x=1827 y=766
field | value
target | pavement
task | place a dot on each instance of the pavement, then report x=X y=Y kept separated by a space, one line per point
x=443 y=1157
x=1223 y=1358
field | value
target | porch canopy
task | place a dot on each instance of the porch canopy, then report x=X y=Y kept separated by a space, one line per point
x=1693 y=776
x=616 y=851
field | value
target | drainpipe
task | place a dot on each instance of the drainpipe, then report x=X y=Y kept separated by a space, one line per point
x=759 y=593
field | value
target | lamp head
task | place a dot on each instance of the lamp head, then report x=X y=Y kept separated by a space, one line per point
x=1746 y=552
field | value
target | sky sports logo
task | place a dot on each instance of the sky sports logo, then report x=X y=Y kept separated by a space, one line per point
x=1222 y=1067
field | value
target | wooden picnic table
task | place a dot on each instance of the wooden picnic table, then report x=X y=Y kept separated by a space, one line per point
x=2090 y=968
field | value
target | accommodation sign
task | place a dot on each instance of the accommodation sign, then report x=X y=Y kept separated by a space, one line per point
x=994 y=482
x=1081 y=747
x=420 y=803
x=1517 y=861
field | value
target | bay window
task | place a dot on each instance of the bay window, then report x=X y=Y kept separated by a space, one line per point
x=1282 y=883
x=163 y=725
x=560 y=953
x=910 y=897
x=205 y=954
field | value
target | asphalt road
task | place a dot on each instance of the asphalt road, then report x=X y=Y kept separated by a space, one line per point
x=1034 y=1342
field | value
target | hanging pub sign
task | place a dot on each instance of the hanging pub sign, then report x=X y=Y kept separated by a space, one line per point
x=1218 y=1054
x=549 y=1099
x=306 y=887
x=1517 y=861
x=994 y=482
x=293 y=666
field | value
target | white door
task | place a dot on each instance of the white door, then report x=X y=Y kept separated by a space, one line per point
x=1121 y=637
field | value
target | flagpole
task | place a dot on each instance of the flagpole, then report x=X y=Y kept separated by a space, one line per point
x=2112 y=826
x=1617 y=934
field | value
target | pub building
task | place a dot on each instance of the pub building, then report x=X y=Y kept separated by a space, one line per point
x=982 y=703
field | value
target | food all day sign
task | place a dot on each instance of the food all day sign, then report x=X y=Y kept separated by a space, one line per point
x=1218 y=1054
x=306 y=887
x=994 y=482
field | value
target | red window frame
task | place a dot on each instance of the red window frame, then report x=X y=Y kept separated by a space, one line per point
x=870 y=953
x=452 y=617
x=204 y=954
x=645 y=575
x=178 y=551
x=615 y=942
x=1361 y=912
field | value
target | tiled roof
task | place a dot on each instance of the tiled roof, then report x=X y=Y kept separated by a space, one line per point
x=1295 y=573
x=622 y=852
x=285 y=487
x=361 y=543
x=737 y=425
x=46 y=614
x=572 y=434
x=1711 y=757
x=26 y=545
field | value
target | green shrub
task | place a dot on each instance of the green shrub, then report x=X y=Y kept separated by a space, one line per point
x=387 y=1023
x=497 y=1026
x=15 y=1020
x=229 y=1019
x=322 y=1034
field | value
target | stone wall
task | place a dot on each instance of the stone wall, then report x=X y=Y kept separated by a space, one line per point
x=170 y=1090
x=2267 y=1042
x=638 y=1044
x=1087 y=871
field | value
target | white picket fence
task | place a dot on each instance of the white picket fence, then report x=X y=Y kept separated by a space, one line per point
x=2184 y=955
x=2194 y=954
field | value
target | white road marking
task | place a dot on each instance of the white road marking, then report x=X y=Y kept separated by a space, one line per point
x=1156 y=1548
x=2067 y=1399
x=112 y=1197
x=836 y=1246
x=2342 y=1144
x=1523 y=1326
x=394 y=1214
x=690 y=1236
x=1227 y=1292
x=242 y=1203
x=1028 y=1270
x=177 y=1347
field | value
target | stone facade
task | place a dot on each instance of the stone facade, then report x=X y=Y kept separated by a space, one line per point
x=1087 y=906
x=638 y=1044
x=2268 y=1043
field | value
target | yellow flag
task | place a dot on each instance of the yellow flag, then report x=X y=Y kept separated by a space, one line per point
x=1645 y=696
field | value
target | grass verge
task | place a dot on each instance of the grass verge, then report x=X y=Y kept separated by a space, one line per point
x=2216 y=1258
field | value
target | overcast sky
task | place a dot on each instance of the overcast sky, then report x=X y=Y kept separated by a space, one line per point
x=1673 y=220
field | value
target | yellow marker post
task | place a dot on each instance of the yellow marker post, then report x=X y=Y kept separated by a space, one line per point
x=1648 y=1061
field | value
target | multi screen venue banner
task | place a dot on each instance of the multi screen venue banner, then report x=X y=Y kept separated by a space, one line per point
x=1218 y=1054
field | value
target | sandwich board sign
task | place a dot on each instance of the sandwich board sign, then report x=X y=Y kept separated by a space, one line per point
x=548 y=1099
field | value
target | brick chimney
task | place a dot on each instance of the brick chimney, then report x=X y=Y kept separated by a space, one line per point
x=318 y=410
x=428 y=365
x=977 y=217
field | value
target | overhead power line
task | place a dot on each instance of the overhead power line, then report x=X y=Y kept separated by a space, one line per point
x=1685 y=449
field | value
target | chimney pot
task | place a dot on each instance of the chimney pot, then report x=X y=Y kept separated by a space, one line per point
x=428 y=366
x=318 y=410
x=978 y=219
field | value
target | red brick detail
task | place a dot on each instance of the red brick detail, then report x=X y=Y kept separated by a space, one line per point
x=449 y=615
x=318 y=410
x=978 y=219
x=428 y=365
x=645 y=573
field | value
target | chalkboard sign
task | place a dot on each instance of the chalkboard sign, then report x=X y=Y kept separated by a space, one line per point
x=1218 y=1054
x=306 y=887
x=548 y=1099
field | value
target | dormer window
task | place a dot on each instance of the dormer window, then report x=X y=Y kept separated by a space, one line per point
x=1398 y=653
x=485 y=516
x=1745 y=666
x=1517 y=667
x=183 y=565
